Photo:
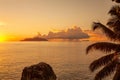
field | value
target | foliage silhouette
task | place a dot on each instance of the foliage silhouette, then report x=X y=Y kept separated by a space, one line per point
x=110 y=62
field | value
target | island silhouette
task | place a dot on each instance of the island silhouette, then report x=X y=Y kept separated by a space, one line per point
x=36 y=38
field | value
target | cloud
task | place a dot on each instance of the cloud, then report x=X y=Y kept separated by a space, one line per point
x=70 y=33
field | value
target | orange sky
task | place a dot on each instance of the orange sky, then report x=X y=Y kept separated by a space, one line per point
x=24 y=18
x=96 y=35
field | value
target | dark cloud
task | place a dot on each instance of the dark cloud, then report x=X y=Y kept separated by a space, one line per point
x=70 y=33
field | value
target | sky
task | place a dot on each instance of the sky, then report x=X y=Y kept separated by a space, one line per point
x=23 y=18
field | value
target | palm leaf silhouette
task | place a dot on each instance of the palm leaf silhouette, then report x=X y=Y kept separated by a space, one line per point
x=118 y=1
x=117 y=74
x=115 y=11
x=101 y=61
x=107 y=70
x=103 y=46
x=114 y=23
x=108 y=32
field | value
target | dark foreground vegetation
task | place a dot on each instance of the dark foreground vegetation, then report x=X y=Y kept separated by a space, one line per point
x=111 y=61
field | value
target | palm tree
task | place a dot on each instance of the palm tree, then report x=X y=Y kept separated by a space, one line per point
x=110 y=62
x=114 y=22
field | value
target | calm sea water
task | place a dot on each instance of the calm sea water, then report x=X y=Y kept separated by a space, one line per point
x=68 y=59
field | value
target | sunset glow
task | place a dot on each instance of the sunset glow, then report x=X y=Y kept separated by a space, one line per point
x=2 y=38
x=96 y=36
x=27 y=17
x=2 y=23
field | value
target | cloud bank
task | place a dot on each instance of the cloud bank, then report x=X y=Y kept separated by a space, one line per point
x=70 y=33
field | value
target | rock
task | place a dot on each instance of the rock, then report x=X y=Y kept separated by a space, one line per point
x=41 y=71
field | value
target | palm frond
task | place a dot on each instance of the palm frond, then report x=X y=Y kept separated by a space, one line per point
x=108 y=32
x=115 y=11
x=103 y=46
x=118 y=1
x=117 y=74
x=101 y=61
x=114 y=23
x=106 y=71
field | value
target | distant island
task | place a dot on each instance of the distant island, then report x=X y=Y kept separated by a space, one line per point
x=34 y=39
x=71 y=34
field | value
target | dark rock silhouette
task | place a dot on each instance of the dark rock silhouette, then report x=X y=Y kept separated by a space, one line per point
x=41 y=71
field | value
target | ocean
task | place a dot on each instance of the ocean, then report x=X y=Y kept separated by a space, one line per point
x=68 y=59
